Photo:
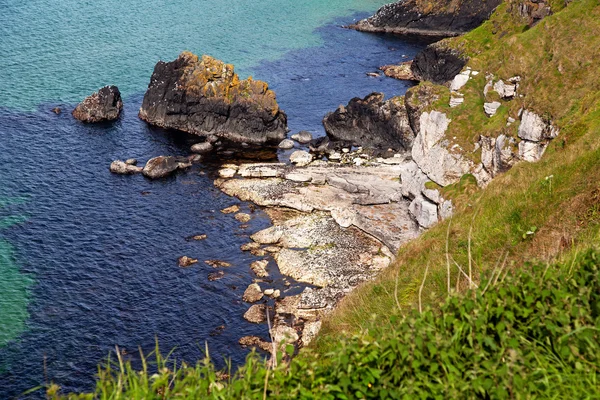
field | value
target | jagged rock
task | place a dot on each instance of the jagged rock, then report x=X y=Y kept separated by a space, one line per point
x=205 y=97
x=303 y=137
x=372 y=123
x=301 y=158
x=286 y=144
x=460 y=80
x=260 y=268
x=162 y=166
x=204 y=147
x=120 y=167
x=103 y=105
x=434 y=18
x=506 y=90
x=227 y=172
x=533 y=11
x=534 y=129
x=401 y=71
x=498 y=154
x=491 y=108
x=217 y=263
x=186 y=261
x=417 y=99
x=256 y=313
x=252 y=294
x=310 y=332
x=438 y=64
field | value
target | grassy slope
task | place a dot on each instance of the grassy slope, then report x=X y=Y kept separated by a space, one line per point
x=558 y=197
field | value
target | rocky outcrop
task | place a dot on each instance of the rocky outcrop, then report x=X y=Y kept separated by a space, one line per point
x=124 y=168
x=371 y=123
x=204 y=96
x=162 y=166
x=438 y=63
x=535 y=134
x=533 y=11
x=103 y=105
x=401 y=71
x=431 y=18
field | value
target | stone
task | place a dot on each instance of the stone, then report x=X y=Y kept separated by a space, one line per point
x=250 y=246
x=301 y=158
x=400 y=72
x=186 y=261
x=103 y=105
x=215 y=276
x=491 y=108
x=56 y=110
x=227 y=172
x=286 y=144
x=272 y=249
x=303 y=137
x=252 y=294
x=201 y=148
x=242 y=217
x=372 y=123
x=373 y=74
x=531 y=151
x=260 y=268
x=425 y=212
x=456 y=101
x=256 y=314
x=258 y=252
x=310 y=332
x=460 y=80
x=231 y=209
x=255 y=341
x=204 y=96
x=199 y=237
x=163 y=166
x=131 y=161
x=122 y=168
x=506 y=90
x=262 y=171
x=417 y=99
x=438 y=64
x=218 y=263
x=269 y=292
x=283 y=335
x=534 y=129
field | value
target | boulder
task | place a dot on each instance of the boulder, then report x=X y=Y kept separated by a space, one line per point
x=301 y=158
x=433 y=18
x=438 y=64
x=372 y=123
x=204 y=96
x=103 y=105
x=256 y=313
x=534 y=129
x=401 y=71
x=122 y=168
x=252 y=294
x=286 y=144
x=491 y=108
x=303 y=137
x=200 y=148
x=162 y=166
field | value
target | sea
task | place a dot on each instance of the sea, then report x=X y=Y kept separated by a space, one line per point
x=88 y=260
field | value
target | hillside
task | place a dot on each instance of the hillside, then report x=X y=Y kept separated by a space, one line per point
x=499 y=301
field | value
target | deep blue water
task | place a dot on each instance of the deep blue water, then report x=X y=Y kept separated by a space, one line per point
x=102 y=249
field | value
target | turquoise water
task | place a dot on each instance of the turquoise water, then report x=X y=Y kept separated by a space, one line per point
x=62 y=50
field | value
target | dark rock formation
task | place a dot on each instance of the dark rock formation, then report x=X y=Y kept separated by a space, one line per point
x=371 y=122
x=431 y=17
x=533 y=11
x=205 y=97
x=417 y=99
x=104 y=105
x=162 y=166
x=438 y=64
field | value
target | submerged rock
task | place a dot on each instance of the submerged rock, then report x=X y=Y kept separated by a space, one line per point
x=162 y=166
x=103 y=105
x=204 y=96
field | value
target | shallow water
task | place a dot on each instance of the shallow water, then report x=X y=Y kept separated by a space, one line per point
x=95 y=253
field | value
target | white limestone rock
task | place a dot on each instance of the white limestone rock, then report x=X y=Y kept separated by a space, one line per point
x=534 y=129
x=506 y=90
x=460 y=80
x=424 y=212
x=301 y=158
x=456 y=101
x=531 y=151
x=491 y=108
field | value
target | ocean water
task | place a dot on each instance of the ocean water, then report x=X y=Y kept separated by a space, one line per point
x=88 y=260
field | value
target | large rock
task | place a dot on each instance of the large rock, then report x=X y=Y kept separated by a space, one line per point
x=372 y=123
x=103 y=105
x=123 y=168
x=438 y=63
x=162 y=166
x=434 y=18
x=417 y=99
x=204 y=96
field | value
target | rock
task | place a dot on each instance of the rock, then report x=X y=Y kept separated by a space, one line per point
x=303 y=137
x=231 y=209
x=310 y=332
x=103 y=105
x=57 y=110
x=532 y=11
x=255 y=341
x=425 y=212
x=201 y=148
x=438 y=64
x=120 y=167
x=371 y=123
x=402 y=71
x=498 y=154
x=227 y=172
x=250 y=246
x=534 y=129
x=531 y=151
x=199 y=237
x=258 y=252
x=506 y=90
x=131 y=161
x=256 y=314
x=286 y=144
x=456 y=101
x=252 y=294
x=218 y=263
x=460 y=80
x=215 y=276
x=242 y=217
x=301 y=158
x=417 y=99
x=260 y=268
x=204 y=96
x=186 y=261
x=271 y=170
x=373 y=74
x=284 y=335
x=272 y=249
x=162 y=166
x=491 y=108
x=429 y=18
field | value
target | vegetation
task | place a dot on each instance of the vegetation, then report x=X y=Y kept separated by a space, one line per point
x=509 y=286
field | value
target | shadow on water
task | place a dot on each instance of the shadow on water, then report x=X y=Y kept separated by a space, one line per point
x=103 y=248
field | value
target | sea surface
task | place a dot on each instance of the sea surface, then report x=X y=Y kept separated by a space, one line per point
x=88 y=260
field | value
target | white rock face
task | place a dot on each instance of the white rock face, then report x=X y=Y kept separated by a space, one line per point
x=301 y=158
x=460 y=80
x=430 y=152
x=456 y=101
x=498 y=154
x=531 y=151
x=532 y=127
x=412 y=179
x=506 y=90
x=424 y=212
x=491 y=108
